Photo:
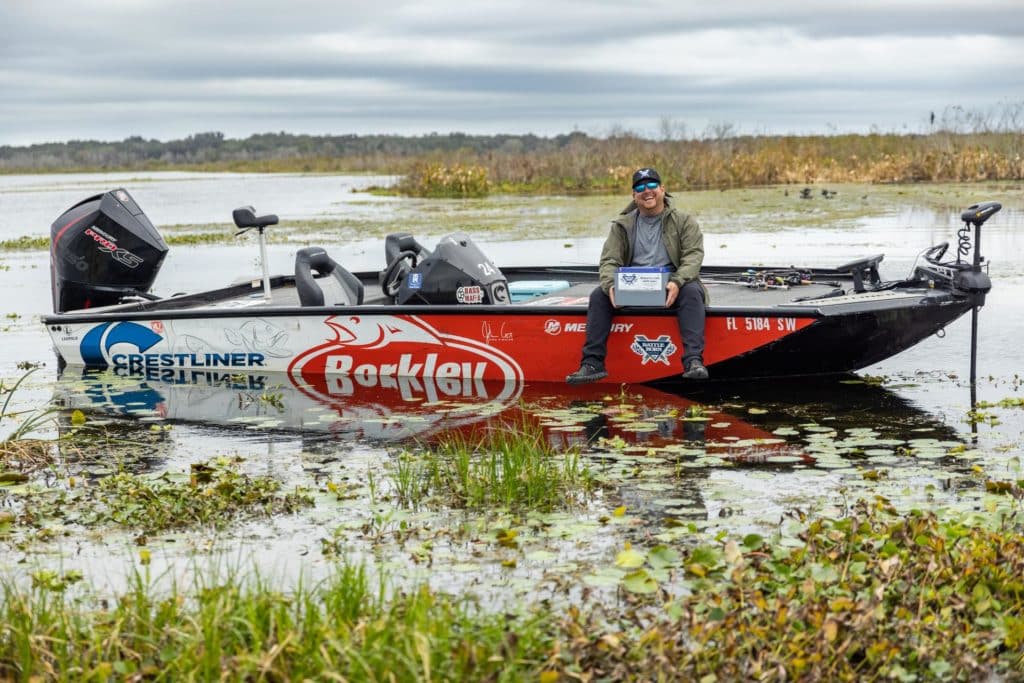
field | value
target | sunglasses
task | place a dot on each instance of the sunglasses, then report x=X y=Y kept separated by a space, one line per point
x=646 y=186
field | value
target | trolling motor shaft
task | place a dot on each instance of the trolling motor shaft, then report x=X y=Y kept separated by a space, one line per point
x=973 y=280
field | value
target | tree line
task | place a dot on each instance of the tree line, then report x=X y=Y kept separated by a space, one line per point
x=960 y=146
x=213 y=148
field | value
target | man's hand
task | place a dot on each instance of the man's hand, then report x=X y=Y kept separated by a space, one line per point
x=611 y=295
x=673 y=292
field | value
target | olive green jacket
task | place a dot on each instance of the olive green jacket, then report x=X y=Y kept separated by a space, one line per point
x=680 y=233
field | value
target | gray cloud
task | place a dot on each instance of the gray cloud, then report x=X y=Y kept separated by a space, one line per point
x=112 y=68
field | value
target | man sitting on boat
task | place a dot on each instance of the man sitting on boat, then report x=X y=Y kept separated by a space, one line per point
x=650 y=232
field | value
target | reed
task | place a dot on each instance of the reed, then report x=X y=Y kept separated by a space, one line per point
x=18 y=452
x=504 y=465
x=443 y=181
x=958 y=149
x=598 y=166
x=238 y=627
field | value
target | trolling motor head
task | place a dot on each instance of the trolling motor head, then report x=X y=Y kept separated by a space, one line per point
x=976 y=214
x=960 y=276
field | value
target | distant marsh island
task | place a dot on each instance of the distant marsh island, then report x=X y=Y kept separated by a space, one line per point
x=965 y=147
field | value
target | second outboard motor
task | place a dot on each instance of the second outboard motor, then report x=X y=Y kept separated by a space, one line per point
x=103 y=249
x=456 y=272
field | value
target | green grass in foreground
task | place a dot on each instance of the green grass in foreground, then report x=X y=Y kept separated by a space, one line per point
x=234 y=629
x=877 y=595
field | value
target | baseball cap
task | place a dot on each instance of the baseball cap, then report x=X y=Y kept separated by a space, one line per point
x=645 y=175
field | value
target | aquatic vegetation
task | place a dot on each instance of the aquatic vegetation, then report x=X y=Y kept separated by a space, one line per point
x=17 y=451
x=437 y=180
x=1008 y=402
x=225 y=237
x=24 y=243
x=212 y=495
x=876 y=594
x=511 y=466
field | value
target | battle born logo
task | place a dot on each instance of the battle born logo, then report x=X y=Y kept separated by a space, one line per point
x=653 y=350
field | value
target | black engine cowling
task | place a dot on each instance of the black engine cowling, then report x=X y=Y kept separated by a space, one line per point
x=456 y=272
x=103 y=249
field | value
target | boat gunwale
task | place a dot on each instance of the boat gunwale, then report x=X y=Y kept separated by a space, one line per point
x=578 y=310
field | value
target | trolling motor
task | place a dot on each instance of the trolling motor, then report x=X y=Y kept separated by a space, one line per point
x=960 y=276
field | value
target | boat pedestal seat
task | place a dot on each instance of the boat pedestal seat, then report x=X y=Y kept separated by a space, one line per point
x=863 y=269
x=321 y=281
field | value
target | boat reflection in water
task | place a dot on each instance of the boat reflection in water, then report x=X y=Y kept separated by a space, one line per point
x=397 y=409
x=742 y=452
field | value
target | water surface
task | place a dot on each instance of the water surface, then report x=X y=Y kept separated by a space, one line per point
x=765 y=449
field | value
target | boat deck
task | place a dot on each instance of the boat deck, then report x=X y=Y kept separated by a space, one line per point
x=247 y=297
x=724 y=294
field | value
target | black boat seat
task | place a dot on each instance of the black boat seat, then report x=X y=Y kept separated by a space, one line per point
x=321 y=281
x=245 y=218
x=863 y=269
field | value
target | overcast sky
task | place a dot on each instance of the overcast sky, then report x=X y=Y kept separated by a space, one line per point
x=109 y=69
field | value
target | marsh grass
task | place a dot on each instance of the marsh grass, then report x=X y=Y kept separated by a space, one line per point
x=438 y=180
x=502 y=465
x=877 y=595
x=239 y=627
x=27 y=243
x=17 y=451
x=962 y=147
x=599 y=166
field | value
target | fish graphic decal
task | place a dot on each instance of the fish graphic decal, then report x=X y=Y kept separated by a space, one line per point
x=377 y=332
x=261 y=336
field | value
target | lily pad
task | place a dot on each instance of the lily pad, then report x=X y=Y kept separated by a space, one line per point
x=639 y=582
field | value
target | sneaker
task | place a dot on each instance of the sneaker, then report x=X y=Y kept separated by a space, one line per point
x=695 y=369
x=586 y=374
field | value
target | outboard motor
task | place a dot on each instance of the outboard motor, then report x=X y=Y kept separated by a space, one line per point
x=456 y=272
x=102 y=250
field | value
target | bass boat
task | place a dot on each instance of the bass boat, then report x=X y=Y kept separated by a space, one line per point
x=451 y=320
